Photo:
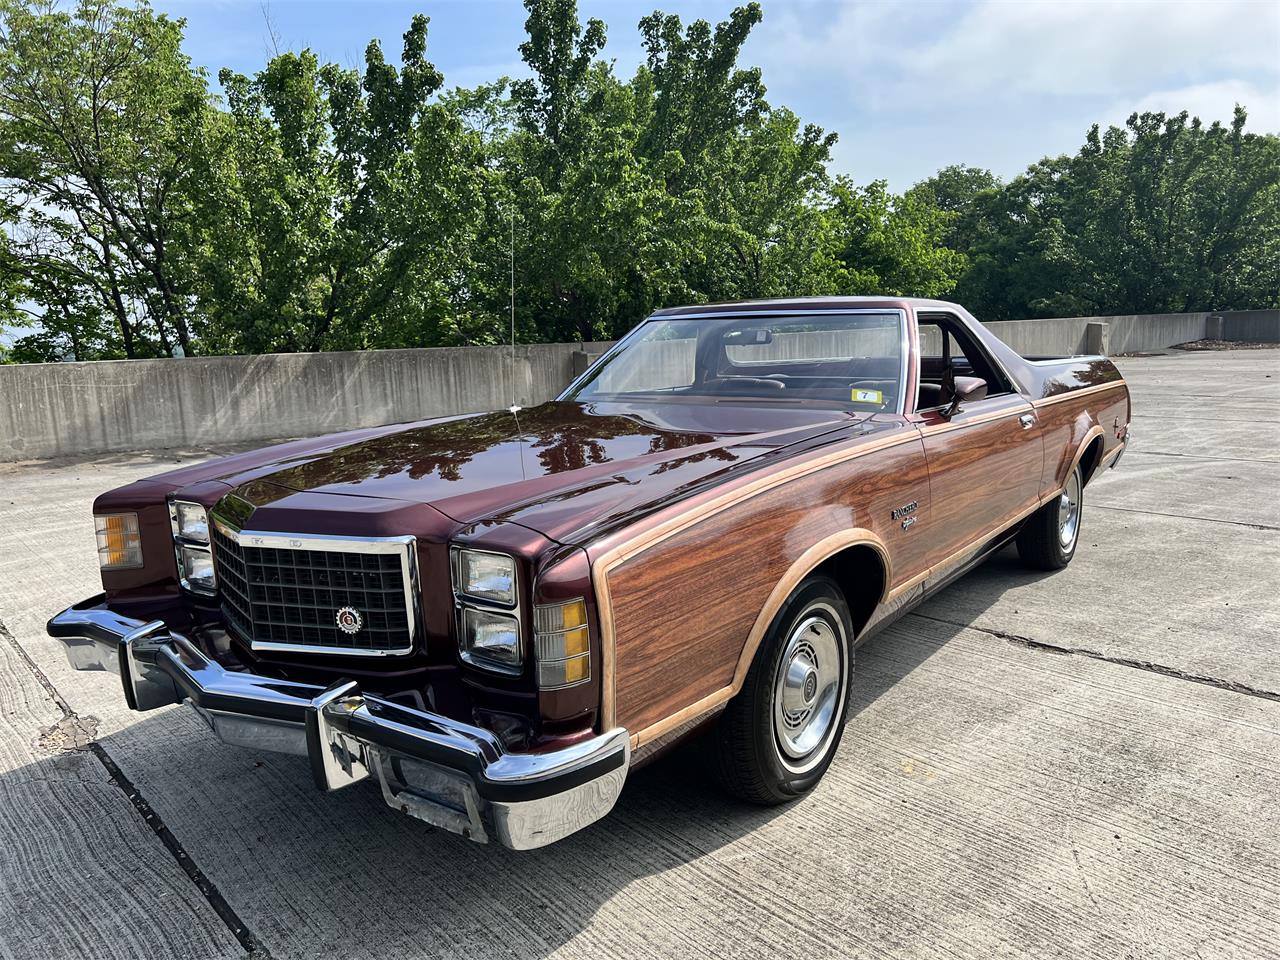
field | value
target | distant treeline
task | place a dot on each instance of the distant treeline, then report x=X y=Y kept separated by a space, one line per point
x=312 y=207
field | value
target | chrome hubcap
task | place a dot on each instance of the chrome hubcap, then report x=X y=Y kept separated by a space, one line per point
x=809 y=692
x=1069 y=511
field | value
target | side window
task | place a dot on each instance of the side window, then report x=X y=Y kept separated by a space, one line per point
x=947 y=350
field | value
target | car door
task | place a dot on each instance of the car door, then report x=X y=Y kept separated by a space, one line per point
x=984 y=458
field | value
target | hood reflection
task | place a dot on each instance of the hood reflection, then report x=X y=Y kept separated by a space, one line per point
x=481 y=463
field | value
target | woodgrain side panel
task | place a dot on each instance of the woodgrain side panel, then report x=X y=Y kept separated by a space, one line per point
x=684 y=609
x=984 y=467
x=1066 y=422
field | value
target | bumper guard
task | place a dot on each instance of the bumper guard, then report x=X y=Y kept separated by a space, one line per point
x=453 y=775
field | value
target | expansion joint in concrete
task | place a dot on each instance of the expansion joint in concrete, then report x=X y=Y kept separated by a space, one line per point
x=73 y=721
x=1183 y=516
x=1147 y=665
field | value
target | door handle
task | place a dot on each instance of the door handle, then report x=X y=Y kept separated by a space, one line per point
x=1027 y=421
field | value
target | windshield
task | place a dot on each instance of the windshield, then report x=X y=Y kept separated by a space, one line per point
x=851 y=360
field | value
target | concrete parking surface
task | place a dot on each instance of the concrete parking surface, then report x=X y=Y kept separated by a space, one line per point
x=1079 y=764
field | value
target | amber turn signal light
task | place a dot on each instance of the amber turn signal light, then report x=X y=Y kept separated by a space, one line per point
x=563 y=643
x=119 y=541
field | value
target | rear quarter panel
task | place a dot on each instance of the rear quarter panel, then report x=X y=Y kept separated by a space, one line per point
x=1076 y=400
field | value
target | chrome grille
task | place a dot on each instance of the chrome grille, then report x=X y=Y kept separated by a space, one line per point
x=282 y=592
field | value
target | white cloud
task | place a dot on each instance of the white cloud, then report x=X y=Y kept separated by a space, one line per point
x=1211 y=101
x=1000 y=83
x=946 y=51
x=1069 y=49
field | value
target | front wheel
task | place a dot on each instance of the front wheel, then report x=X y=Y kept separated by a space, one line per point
x=1048 y=541
x=777 y=737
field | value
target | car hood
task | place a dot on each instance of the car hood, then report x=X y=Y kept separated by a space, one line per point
x=553 y=467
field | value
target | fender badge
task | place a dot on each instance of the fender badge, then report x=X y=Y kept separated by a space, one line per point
x=349 y=620
x=906 y=510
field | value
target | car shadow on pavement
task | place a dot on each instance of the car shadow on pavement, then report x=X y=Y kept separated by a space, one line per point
x=301 y=868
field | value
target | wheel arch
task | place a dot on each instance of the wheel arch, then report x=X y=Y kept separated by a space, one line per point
x=1090 y=457
x=845 y=557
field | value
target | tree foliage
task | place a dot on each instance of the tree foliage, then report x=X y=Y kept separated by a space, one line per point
x=315 y=207
x=1161 y=215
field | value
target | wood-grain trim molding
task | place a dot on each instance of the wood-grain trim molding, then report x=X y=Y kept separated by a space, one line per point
x=1112 y=453
x=1092 y=434
x=972 y=545
x=1082 y=392
x=934 y=429
x=650 y=538
x=804 y=565
x=696 y=709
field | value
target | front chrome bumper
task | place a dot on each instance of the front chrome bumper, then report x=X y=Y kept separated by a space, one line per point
x=450 y=774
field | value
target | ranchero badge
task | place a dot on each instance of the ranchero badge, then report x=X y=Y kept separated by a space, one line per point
x=906 y=510
x=349 y=620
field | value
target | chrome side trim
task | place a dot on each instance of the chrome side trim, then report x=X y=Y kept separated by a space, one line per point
x=451 y=774
x=404 y=546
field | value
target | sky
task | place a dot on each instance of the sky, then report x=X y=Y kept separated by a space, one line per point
x=909 y=86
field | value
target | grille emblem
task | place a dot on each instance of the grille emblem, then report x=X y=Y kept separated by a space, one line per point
x=349 y=620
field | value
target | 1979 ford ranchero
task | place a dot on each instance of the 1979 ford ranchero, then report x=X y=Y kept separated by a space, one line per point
x=495 y=616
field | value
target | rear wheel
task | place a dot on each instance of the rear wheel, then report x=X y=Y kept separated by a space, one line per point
x=777 y=737
x=1048 y=541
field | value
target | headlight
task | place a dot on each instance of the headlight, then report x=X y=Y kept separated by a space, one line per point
x=195 y=569
x=486 y=576
x=119 y=541
x=190 y=522
x=490 y=639
x=563 y=644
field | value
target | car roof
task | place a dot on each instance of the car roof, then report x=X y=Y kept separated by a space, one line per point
x=787 y=304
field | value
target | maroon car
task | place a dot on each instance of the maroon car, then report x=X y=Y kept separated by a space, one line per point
x=495 y=616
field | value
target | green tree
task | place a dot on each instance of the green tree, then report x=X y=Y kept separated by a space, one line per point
x=746 y=179
x=98 y=111
x=314 y=207
x=343 y=217
x=1162 y=215
x=589 y=218
x=890 y=245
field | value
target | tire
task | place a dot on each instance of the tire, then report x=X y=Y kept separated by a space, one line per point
x=776 y=738
x=1048 y=541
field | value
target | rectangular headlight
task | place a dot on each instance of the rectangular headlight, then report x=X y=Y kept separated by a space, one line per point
x=481 y=575
x=190 y=522
x=119 y=541
x=491 y=640
x=195 y=569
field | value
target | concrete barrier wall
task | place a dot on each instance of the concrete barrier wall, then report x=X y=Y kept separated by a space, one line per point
x=64 y=408
x=1253 y=326
x=1126 y=334
x=72 y=408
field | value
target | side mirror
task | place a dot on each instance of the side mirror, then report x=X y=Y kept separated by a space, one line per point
x=967 y=390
